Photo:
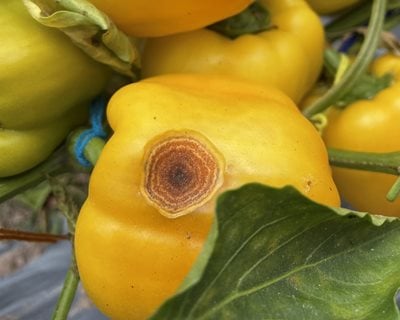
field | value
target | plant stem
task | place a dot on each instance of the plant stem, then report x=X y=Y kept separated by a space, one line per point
x=355 y=18
x=66 y=298
x=360 y=64
x=369 y=161
x=348 y=21
x=70 y=210
x=377 y=162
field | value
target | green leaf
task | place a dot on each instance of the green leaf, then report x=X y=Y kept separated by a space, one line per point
x=278 y=255
x=91 y=30
x=367 y=88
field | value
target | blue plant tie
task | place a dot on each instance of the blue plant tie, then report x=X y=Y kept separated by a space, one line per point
x=96 y=117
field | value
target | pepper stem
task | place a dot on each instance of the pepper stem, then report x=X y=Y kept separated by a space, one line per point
x=70 y=210
x=66 y=298
x=369 y=161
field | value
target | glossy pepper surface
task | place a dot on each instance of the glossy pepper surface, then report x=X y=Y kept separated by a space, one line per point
x=288 y=56
x=332 y=6
x=178 y=142
x=369 y=126
x=46 y=83
x=151 y=18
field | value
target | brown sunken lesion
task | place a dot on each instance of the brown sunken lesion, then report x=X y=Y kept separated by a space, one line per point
x=182 y=171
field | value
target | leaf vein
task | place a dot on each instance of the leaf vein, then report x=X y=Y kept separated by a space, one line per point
x=236 y=253
x=240 y=294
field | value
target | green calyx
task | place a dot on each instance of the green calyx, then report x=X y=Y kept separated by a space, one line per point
x=254 y=19
x=367 y=87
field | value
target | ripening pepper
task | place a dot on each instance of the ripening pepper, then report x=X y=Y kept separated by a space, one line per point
x=288 y=55
x=178 y=142
x=369 y=125
x=46 y=83
x=154 y=18
x=332 y=6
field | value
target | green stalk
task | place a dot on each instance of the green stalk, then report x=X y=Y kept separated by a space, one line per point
x=70 y=210
x=369 y=161
x=360 y=65
x=356 y=17
x=92 y=152
x=68 y=292
x=348 y=21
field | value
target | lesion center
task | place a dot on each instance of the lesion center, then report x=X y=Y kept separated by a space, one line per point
x=179 y=176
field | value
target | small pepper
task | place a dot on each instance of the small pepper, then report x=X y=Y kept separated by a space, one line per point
x=368 y=125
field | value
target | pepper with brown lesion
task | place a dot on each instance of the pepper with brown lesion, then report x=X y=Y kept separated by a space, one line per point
x=212 y=134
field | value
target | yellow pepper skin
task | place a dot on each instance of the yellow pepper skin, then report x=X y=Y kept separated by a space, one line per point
x=154 y=18
x=130 y=256
x=288 y=56
x=369 y=126
x=329 y=7
x=46 y=84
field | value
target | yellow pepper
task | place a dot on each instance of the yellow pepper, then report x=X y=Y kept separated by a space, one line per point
x=332 y=6
x=369 y=126
x=46 y=84
x=178 y=142
x=152 y=18
x=288 y=56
